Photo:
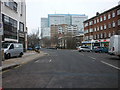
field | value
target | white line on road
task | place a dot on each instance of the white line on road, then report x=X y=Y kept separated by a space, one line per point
x=50 y=60
x=110 y=65
x=92 y=57
x=82 y=54
x=37 y=61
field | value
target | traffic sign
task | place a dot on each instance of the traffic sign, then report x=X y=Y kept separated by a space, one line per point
x=1 y=28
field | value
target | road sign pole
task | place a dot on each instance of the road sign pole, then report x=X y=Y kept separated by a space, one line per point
x=0 y=38
x=0 y=49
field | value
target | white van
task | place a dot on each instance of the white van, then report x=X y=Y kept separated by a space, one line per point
x=114 y=46
x=12 y=49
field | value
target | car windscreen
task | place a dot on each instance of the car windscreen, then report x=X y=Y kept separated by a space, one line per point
x=84 y=47
x=5 y=45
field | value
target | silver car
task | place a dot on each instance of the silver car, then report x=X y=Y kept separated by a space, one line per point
x=84 y=48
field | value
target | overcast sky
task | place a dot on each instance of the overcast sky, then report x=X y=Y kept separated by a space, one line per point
x=41 y=8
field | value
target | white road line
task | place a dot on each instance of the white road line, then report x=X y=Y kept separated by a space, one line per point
x=37 y=61
x=82 y=54
x=92 y=57
x=110 y=65
x=50 y=60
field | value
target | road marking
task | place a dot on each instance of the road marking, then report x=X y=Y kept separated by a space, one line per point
x=37 y=61
x=110 y=65
x=92 y=57
x=50 y=60
x=82 y=54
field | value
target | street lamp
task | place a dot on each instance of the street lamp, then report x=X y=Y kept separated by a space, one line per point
x=92 y=41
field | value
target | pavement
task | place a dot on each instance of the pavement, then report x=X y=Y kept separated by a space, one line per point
x=27 y=57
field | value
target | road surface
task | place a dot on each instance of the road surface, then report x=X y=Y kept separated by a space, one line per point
x=65 y=69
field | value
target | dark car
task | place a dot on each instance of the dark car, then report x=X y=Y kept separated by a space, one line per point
x=30 y=48
x=101 y=49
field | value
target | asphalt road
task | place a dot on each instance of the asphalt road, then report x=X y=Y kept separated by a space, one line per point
x=66 y=69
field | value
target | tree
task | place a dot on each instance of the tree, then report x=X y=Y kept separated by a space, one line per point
x=33 y=40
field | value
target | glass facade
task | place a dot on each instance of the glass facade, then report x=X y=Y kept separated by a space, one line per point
x=10 y=27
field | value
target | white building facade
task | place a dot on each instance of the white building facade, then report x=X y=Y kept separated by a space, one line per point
x=69 y=19
x=45 y=30
x=14 y=21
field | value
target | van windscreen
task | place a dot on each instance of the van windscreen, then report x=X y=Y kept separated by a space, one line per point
x=5 y=45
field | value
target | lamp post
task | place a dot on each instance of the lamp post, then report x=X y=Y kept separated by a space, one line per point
x=92 y=43
x=0 y=35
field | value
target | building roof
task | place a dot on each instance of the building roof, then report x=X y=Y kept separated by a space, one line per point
x=68 y=14
x=118 y=6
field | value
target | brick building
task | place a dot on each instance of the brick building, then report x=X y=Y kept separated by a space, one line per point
x=99 y=29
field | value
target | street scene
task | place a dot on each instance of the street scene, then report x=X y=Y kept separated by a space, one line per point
x=59 y=44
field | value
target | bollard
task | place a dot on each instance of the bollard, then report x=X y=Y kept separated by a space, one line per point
x=3 y=58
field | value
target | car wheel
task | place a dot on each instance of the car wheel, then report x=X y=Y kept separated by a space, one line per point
x=100 y=51
x=8 y=56
x=20 y=54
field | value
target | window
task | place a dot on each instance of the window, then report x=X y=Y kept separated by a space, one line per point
x=95 y=29
x=113 y=32
x=21 y=27
x=91 y=37
x=11 y=47
x=101 y=35
x=119 y=22
x=91 y=23
x=105 y=35
x=10 y=27
x=86 y=38
x=101 y=27
x=101 y=19
x=98 y=36
x=91 y=30
x=94 y=36
x=109 y=16
x=86 y=24
x=98 y=20
x=109 y=34
x=104 y=17
x=95 y=21
x=113 y=14
x=109 y=25
x=113 y=24
x=104 y=26
x=98 y=28
x=6 y=19
x=86 y=31
x=118 y=12
x=12 y=5
x=7 y=3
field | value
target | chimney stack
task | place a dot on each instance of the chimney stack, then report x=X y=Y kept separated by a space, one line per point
x=97 y=13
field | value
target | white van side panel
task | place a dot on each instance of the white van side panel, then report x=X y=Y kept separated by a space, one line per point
x=115 y=42
x=119 y=45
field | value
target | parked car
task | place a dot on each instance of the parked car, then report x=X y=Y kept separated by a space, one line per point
x=38 y=47
x=30 y=48
x=84 y=48
x=12 y=49
x=101 y=49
